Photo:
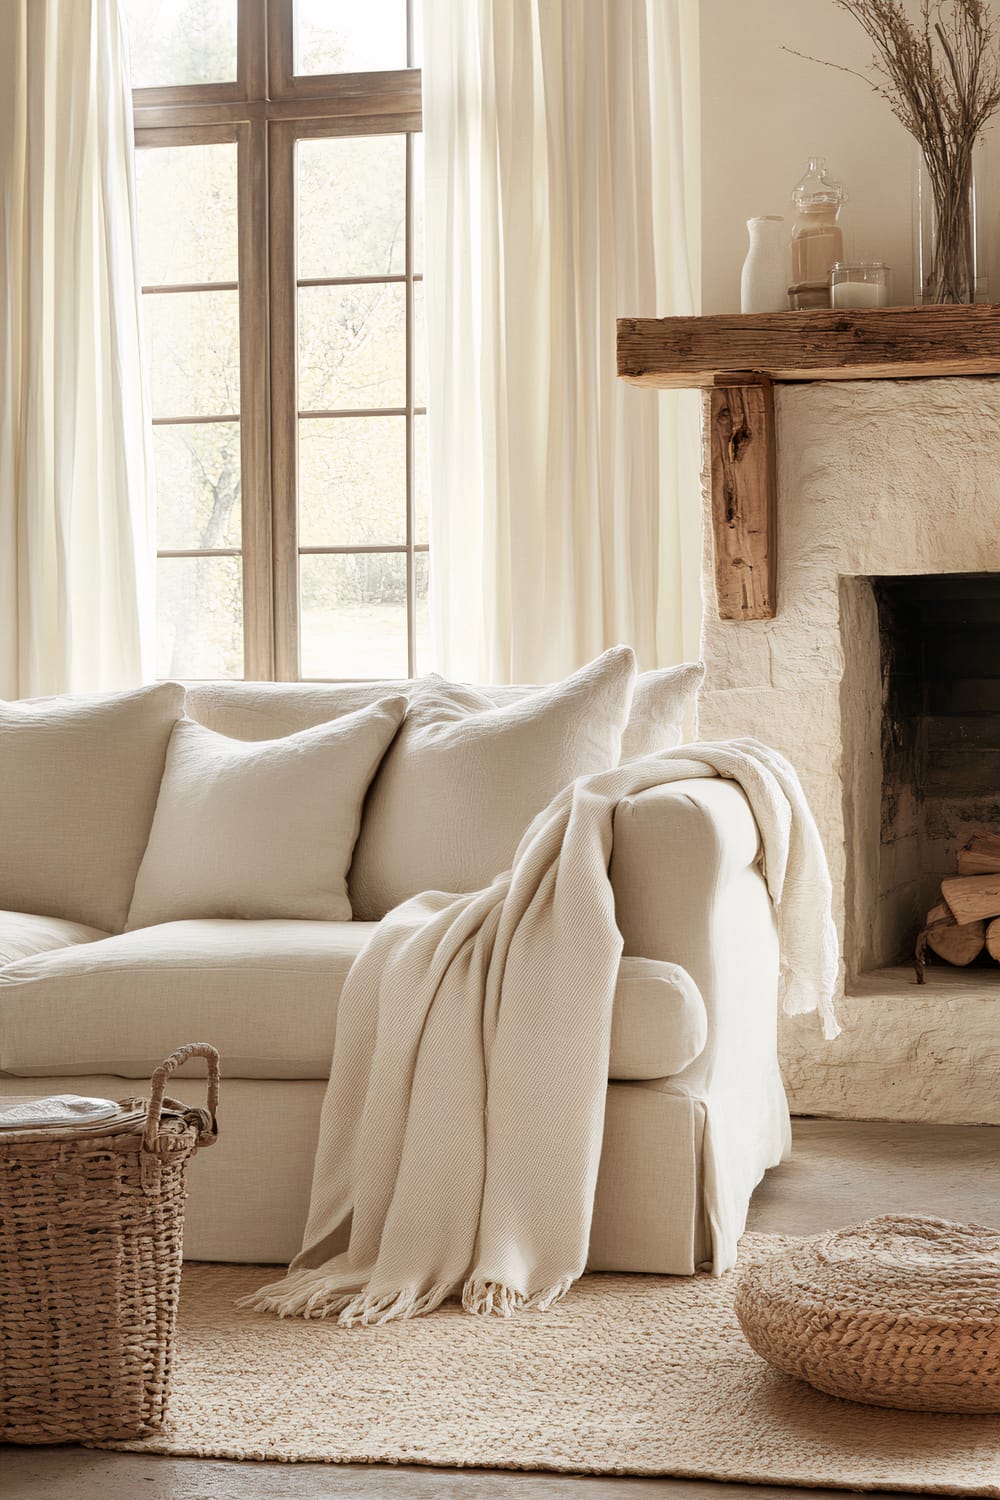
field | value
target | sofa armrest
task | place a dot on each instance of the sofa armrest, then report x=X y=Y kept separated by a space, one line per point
x=685 y=869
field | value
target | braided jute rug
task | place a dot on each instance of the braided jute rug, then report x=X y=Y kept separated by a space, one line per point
x=627 y=1375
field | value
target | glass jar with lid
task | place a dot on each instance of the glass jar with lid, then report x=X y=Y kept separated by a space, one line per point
x=817 y=238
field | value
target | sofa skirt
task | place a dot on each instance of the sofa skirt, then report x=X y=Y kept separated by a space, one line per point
x=249 y=1195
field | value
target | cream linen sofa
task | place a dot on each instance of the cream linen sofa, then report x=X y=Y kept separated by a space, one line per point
x=695 y=1113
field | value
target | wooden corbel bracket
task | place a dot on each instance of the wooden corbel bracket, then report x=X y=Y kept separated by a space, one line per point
x=739 y=433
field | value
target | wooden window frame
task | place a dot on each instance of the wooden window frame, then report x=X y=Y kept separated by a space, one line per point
x=265 y=111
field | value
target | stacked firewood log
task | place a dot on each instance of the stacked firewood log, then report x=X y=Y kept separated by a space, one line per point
x=967 y=918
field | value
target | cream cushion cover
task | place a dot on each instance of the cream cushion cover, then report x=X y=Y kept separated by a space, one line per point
x=260 y=829
x=663 y=705
x=265 y=994
x=270 y=710
x=464 y=779
x=659 y=1020
x=78 y=784
x=22 y=935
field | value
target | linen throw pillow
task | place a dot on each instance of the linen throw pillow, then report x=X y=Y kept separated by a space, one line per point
x=78 y=785
x=464 y=779
x=663 y=702
x=260 y=828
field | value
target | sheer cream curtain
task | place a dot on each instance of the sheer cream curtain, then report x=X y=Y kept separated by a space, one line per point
x=561 y=193
x=76 y=555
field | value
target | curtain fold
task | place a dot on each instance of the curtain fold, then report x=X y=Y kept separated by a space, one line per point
x=561 y=152
x=76 y=511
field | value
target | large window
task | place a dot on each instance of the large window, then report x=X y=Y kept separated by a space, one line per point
x=279 y=183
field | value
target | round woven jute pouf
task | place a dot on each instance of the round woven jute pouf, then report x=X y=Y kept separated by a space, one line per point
x=898 y=1311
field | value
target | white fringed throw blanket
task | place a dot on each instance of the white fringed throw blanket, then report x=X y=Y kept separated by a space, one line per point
x=461 y=1130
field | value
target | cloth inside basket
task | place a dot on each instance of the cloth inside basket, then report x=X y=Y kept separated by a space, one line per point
x=64 y=1111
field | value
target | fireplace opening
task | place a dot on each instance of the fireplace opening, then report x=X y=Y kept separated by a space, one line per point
x=939 y=668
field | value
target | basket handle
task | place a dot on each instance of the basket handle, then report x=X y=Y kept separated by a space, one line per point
x=158 y=1084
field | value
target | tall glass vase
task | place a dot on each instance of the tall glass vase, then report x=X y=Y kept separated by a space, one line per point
x=949 y=240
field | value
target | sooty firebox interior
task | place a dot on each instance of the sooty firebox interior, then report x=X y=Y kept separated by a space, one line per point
x=940 y=669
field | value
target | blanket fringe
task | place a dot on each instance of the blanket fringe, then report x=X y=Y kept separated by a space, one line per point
x=494 y=1299
x=309 y=1294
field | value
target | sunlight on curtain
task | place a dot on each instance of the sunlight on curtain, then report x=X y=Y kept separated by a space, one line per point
x=75 y=478
x=561 y=182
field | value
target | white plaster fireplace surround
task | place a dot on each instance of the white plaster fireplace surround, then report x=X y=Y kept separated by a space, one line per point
x=876 y=478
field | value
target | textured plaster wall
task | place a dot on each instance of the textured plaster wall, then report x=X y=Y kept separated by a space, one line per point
x=874 y=478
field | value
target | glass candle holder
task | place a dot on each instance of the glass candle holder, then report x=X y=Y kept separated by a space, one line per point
x=859 y=283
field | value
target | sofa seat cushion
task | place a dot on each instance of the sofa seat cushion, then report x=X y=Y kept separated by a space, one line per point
x=23 y=935
x=264 y=993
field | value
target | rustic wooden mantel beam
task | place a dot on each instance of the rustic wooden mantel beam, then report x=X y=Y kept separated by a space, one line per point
x=737 y=357
x=882 y=343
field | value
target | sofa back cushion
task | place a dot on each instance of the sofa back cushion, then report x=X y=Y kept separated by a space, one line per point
x=79 y=779
x=463 y=780
x=663 y=707
x=261 y=829
x=270 y=710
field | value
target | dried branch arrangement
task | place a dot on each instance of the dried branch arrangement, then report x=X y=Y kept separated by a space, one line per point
x=940 y=75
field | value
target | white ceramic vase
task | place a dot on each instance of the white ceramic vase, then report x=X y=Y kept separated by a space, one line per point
x=764 y=281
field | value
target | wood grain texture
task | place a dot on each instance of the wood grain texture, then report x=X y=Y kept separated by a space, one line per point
x=824 y=344
x=980 y=855
x=740 y=436
x=957 y=945
x=972 y=898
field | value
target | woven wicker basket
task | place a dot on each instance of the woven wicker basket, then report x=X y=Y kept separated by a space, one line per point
x=90 y=1268
x=900 y=1312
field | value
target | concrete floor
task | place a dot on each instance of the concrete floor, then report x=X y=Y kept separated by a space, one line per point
x=841 y=1171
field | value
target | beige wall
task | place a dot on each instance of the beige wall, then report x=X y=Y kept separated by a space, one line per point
x=763 y=112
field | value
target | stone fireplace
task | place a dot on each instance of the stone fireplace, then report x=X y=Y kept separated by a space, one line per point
x=879 y=678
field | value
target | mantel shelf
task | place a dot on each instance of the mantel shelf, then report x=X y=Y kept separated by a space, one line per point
x=739 y=357
x=886 y=343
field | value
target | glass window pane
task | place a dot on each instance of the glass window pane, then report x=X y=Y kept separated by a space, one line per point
x=352 y=206
x=352 y=481
x=352 y=346
x=418 y=203
x=421 y=615
x=193 y=343
x=187 y=214
x=181 y=41
x=421 y=481
x=345 y=36
x=199 y=617
x=198 y=485
x=353 y=614
x=419 y=346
